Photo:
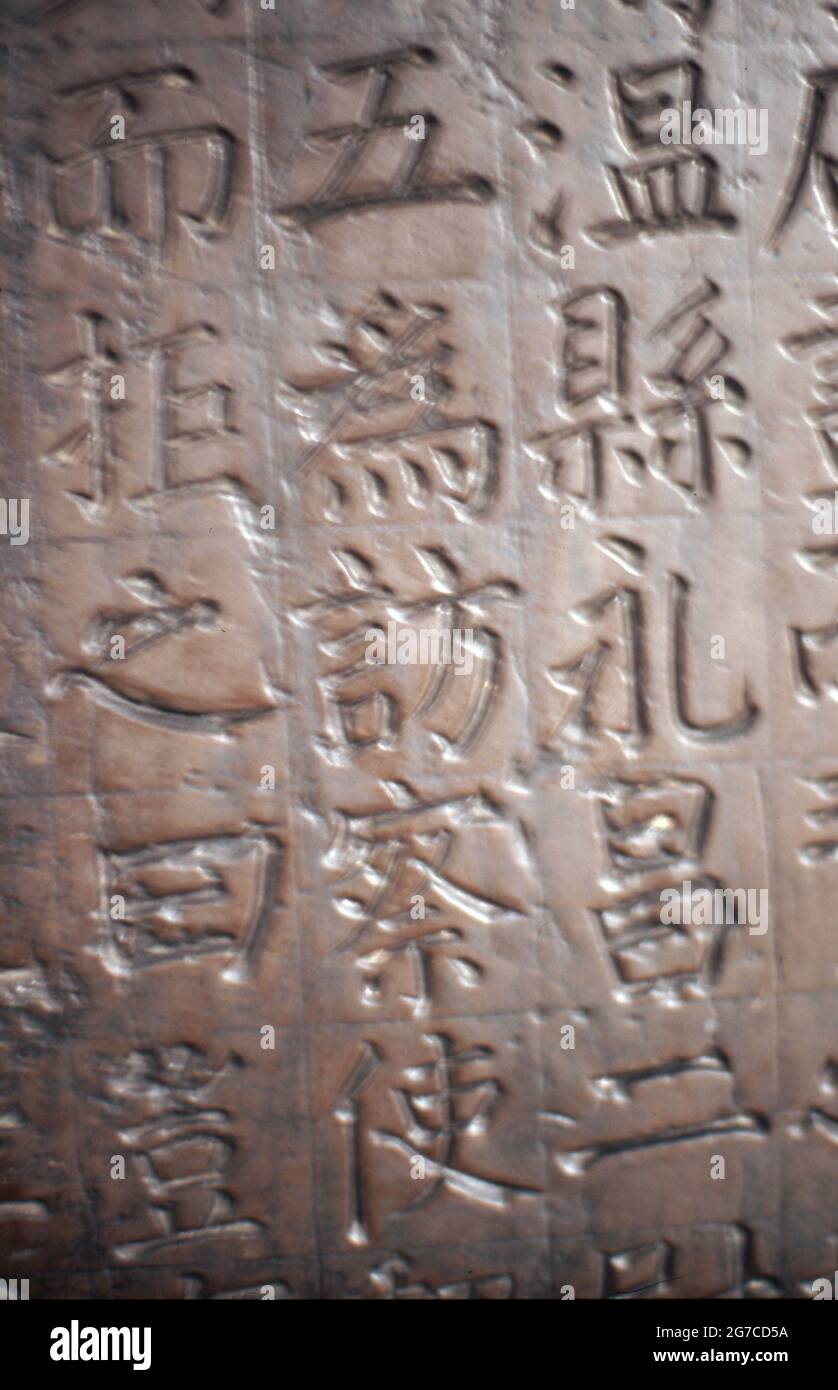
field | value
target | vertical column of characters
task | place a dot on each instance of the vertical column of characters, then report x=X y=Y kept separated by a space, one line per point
x=647 y=678
x=164 y=670
x=393 y=399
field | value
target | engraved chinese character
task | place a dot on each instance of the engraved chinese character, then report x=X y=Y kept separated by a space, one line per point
x=84 y=196
x=391 y=879
x=342 y=191
x=179 y=900
x=674 y=193
x=181 y=1142
x=381 y=437
x=364 y=699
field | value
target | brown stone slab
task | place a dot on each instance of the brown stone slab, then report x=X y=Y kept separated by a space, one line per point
x=418 y=676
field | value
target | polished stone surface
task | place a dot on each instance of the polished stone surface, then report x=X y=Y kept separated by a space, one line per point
x=328 y=978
